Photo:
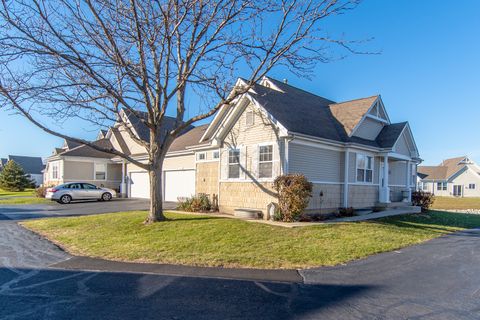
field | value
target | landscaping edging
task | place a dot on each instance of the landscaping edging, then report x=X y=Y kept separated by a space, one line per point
x=468 y=211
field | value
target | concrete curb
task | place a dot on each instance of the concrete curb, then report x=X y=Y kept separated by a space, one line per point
x=100 y=265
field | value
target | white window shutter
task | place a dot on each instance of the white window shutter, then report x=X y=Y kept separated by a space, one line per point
x=254 y=160
x=276 y=160
x=224 y=163
x=243 y=162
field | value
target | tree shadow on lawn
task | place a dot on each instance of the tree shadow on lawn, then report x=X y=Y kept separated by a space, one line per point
x=430 y=222
x=70 y=294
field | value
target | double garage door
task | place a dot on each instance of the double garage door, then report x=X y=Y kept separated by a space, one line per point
x=176 y=184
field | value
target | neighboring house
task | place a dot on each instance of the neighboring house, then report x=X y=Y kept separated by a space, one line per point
x=455 y=177
x=32 y=166
x=350 y=151
x=76 y=162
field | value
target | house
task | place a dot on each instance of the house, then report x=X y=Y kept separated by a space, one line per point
x=77 y=162
x=351 y=151
x=32 y=166
x=455 y=177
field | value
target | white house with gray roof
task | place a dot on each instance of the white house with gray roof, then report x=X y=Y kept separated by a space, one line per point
x=351 y=151
x=454 y=177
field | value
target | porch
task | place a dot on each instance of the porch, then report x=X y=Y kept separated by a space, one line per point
x=396 y=180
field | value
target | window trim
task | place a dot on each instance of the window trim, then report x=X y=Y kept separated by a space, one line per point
x=95 y=171
x=197 y=156
x=260 y=162
x=472 y=184
x=55 y=174
x=247 y=113
x=365 y=168
x=239 y=149
x=444 y=185
x=217 y=152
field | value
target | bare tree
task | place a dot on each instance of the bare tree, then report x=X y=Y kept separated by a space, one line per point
x=90 y=59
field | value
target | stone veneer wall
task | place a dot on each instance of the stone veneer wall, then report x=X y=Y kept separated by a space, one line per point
x=362 y=196
x=329 y=202
x=206 y=178
x=246 y=195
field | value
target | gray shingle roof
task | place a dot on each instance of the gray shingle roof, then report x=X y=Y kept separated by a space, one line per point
x=31 y=165
x=443 y=171
x=188 y=139
x=86 y=151
x=306 y=113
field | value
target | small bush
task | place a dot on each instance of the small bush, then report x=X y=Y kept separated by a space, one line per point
x=346 y=212
x=198 y=203
x=41 y=191
x=294 y=191
x=423 y=199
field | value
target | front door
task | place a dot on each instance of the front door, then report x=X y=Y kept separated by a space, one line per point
x=457 y=190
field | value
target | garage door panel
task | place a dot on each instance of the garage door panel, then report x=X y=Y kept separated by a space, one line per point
x=139 y=185
x=179 y=184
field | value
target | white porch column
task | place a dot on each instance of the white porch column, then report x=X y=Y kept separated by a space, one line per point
x=384 y=196
x=123 y=185
x=408 y=183
x=345 y=180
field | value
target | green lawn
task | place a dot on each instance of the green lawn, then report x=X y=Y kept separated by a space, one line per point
x=446 y=203
x=211 y=241
x=20 y=197
x=27 y=192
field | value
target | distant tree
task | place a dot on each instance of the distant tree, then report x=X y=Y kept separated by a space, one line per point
x=86 y=59
x=13 y=178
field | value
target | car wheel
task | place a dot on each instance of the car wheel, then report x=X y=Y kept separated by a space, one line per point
x=65 y=199
x=106 y=196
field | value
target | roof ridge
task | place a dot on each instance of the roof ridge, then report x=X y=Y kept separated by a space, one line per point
x=297 y=88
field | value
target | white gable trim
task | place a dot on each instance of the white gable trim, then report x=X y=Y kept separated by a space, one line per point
x=367 y=114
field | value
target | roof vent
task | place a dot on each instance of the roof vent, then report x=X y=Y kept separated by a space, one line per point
x=285 y=81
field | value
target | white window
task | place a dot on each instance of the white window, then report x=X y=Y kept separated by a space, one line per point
x=413 y=171
x=441 y=186
x=100 y=171
x=201 y=156
x=216 y=154
x=364 y=168
x=425 y=186
x=471 y=186
x=265 y=161
x=55 y=174
x=234 y=164
x=249 y=118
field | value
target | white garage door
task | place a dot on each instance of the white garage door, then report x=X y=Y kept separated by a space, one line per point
x=179 y=184
x=139 y=185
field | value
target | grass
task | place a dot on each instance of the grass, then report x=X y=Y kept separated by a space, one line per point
x=451 y=203
x=25 y=193
x=20 y=197
x=210 y=241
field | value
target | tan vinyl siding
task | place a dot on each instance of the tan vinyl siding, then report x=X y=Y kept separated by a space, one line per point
x=133 y=146
x=402 y=147
x=316 y=164
x=397 y=174
x=114 y=172
x=78 y=170
x=247 y=138
x=369 y=129
x=180 y=162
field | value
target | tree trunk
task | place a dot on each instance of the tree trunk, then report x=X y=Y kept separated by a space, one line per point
x=156 y=195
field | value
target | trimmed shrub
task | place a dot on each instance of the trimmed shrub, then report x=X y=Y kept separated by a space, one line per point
x=294 y=192
x=13 y=178
x=346 y=212
x=423 y=199
x=198 y=203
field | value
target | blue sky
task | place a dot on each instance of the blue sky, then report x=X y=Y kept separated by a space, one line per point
x=428 y=73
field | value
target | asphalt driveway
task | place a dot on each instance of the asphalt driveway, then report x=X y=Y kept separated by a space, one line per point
x=21 y=212
x=439 y=279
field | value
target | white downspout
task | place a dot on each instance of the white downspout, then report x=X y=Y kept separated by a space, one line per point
x=123 y=185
